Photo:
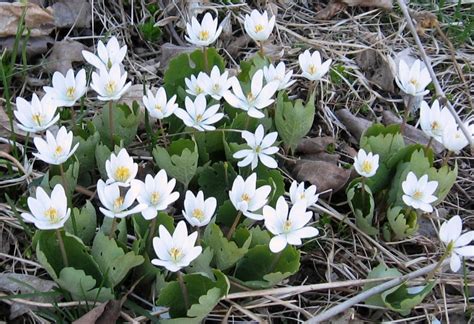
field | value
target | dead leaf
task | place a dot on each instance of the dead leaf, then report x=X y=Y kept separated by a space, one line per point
x=332 y=9
x=355 y=125
x=411 y=134
x=75 y=13
x=325 y=175
x=169 y=51
x=105 y=313
x=63 y=54
x=39 y=21
x=336 y=6
x=376 y=68
x=382 y=4
x=235 y=45
x=25 y=284
x=314 y=144
x=34 y=46
x=5 y=130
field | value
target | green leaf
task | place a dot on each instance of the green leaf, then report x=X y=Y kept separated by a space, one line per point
x=260 y=268
x=71 y=175
x=112 y=260
x=401 y=224
x=226 y=253
x=446 y=177
x=202 y=264
x=85 y=152
x=121 y=228
x=179 y=161
x=86 y=222
x=125 y=120
x=197 y=286
x=293 y=121
x=361 y=202
x=102 y=154
x=82 y=286
x=226 y=213
x=216 y=180
x=403 y=299
x=380 y=271
x=141 y=226
x=274 y=179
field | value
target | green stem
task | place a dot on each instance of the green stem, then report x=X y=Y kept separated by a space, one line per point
x=163 y=134
x=184 y=289
x=61 y=247
x=152 y=229
x=112 y=228
x=428 y=146
x=234 y=225
x=66 y=189
x=446 y=158
x=260 y=49
x=111 y=124
x=408 y=109
x=206 y=62
x=363 y=190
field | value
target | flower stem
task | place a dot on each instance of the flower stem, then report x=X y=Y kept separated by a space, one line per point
x=447 y=253
x=206 y=62
x=184 y=289
x=260 y=50
x=61 y=247
x=163 y=134
x=275 y=261
x=428 y=146
x=111 y=124
x=152 y=229
x=234 y=225
x=112 y=228
x=408 y=109
x=66 y=189
x=446 y=158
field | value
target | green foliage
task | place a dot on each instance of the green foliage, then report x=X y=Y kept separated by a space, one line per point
x=216 y=180
x=362 y=204
x=226 y=253
x=260 y=268
x=202 y=264
x=86 y=151
x=82 y=286
x=70 y=177
x=401 y=223
x=179 y=161
x=149 y=31
x=86 y=222
x=112 y=260
x=198 y=286
x=102 y=154
x=380 y=271
x=293 y=120
x=274 y=179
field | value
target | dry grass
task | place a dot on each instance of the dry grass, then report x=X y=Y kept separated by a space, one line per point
x=334 y=266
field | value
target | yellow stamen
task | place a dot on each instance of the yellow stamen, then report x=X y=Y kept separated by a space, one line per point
x=367 y=166
x=52 y=215
x=58 y=150
x=122 y=174
x=155 y=197
x=414 y=82
x=203 y=35
x=198 y=90
x=110 y=87
x=118 y=202
x=158 y=107
x=312 y=69
x=258 y=149
x=245 y=197
x=37 y=118
x=199 y=118
x=216 y=87
x=259 y=28
x=250 y=97
x=302 y=195
x=175 y=254
x=287 y=226
x=435 y=125
x=198 y=214
x=70 y=92
x=418 y=195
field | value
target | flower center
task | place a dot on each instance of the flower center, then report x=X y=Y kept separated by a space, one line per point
x=312 y=69
x=203 y=35
x=367 y=166
x=250 y=97
x=37 y=118
x=158 y=107
x=216 y=87
x=122 y=174
x=302 y=196
x=245 y=197
x=198 y=90
x=418 y=195
x=70 y=92
x=414 y=82
x=258 y=149
x=118 y=202
x=52 y=215
x=435 y=125
x=110 y=87
x=155 y=197
x=259 y=28
x=199 y=118
x=198 y=214
x=58 y=150
x=175 y=254
x=287 y=226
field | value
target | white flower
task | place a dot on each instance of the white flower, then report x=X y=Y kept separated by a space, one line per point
x=158 y=105
x=197 y=115
x=197 y=211
x=365 y=164
x=299 y=193
x=37 y=115
x=156 y=193
x=215 y=84
x=312 y=66
x=48 y=213
x=66 y=90
x=288 y=228
x=257 y=98
x=450 y=234
x=279 y=74
x=107 y=56
x=247 y=198
x=110 y=84
x=454 y=139
x=413 y=80
x=55 y=150
x=195 y=86
x=419 y=193
x=260 y=149
x=121 y=168
x=204 y=33
x=257 y=25
x=433 y=121
x=117 y=205
x=177 y=251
